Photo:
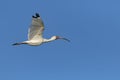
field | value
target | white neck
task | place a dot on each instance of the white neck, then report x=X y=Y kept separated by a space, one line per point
x=49 y=40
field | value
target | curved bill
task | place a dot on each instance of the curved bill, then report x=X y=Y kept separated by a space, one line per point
x=65 y=39
x=58 y=37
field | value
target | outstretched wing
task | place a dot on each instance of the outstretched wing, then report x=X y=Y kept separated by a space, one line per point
x=36 y=28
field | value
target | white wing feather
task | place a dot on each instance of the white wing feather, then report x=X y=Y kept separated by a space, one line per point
x=36 y=29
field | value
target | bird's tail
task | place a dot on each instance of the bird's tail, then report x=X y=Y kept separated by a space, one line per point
x=19 y=43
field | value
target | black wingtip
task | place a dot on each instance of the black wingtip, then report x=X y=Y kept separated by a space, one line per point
x=33 y=17
x=37 y=15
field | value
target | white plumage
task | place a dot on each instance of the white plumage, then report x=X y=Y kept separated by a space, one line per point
x=35 y=33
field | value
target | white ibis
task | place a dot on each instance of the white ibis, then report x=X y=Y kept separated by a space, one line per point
x=35 y=32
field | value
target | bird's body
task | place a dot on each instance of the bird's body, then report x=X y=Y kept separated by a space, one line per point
x=34 y=42
x=35 y=32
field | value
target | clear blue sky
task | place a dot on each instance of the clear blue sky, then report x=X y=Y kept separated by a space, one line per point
x=93 y=26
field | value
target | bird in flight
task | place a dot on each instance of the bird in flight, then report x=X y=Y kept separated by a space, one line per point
x=35 y=33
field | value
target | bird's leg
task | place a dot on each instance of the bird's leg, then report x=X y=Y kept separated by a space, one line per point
x=19 y=43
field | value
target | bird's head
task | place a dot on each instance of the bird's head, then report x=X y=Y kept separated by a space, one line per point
x=58 y=37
